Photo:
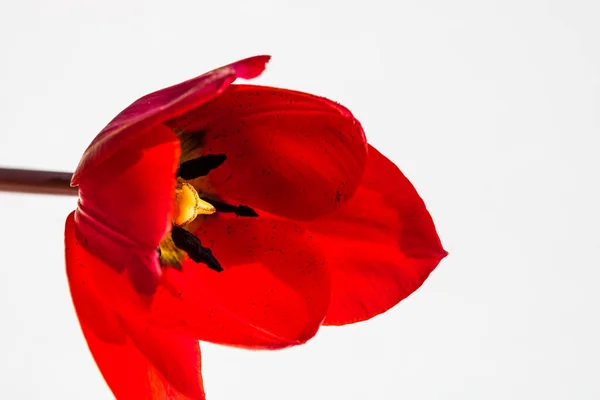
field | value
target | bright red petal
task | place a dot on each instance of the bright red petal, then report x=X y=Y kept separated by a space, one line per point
x=273 y=293
x=137 y=360
x=125 y=204
x=380 y=247
x=160 y=106
x=289 y=153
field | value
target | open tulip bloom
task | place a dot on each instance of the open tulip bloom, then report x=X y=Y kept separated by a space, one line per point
x=241 y=215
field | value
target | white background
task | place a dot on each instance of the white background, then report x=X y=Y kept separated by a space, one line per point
x=492 y=109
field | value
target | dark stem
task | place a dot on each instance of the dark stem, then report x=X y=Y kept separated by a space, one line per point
x=36 y=182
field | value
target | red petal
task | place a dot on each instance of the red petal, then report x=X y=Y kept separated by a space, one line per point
x=137 y=360
x=125 y=204
x=288 y=153
x=380 y=247
x=161 y=106
x=273 y=293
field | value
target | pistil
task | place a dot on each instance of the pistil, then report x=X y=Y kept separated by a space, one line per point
x=188 y=204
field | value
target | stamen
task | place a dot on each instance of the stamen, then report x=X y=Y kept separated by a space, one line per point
x=200 y=166
x=169 y=254
x=189 y=243
x=240 y=211
x=188 y=204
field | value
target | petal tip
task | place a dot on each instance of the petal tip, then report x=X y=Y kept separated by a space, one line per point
x=252 y=67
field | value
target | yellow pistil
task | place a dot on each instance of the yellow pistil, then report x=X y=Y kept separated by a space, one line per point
x=188 y=204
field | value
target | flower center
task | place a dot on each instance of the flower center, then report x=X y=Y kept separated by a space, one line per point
x=179 y=243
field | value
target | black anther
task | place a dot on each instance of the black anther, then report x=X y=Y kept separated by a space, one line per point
x=189 y=243
x=200 y=166
x=240 y=211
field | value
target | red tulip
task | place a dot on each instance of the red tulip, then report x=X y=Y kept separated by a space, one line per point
x=241 y=215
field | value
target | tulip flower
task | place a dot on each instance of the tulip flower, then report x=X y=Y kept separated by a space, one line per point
x=241 y=215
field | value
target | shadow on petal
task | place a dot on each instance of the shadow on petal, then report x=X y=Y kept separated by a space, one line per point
x=273 y=293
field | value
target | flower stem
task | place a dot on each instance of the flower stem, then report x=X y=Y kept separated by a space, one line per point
x=36 y=182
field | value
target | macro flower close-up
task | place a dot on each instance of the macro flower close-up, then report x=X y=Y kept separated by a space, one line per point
x=236 y=214
x=275 y=200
